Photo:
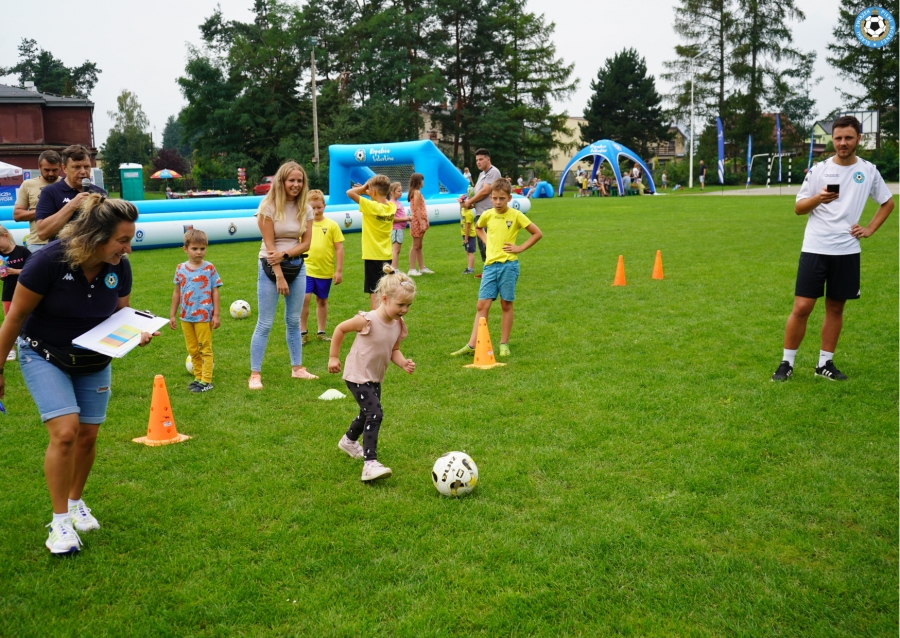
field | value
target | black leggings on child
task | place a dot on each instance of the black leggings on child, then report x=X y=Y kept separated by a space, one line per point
x=368 y=421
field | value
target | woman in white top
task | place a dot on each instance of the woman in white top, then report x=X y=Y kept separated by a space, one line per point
x=285 y=221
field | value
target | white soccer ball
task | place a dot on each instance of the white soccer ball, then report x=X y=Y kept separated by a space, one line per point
x=240 y=309
x=189 y=364
x=875 y=26
x=454 y=474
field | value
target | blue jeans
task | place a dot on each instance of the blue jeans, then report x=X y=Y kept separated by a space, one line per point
x=267 y=301
x=58 y=394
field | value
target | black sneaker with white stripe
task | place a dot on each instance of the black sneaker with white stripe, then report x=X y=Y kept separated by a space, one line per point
x=784 y=372
x=828 y=371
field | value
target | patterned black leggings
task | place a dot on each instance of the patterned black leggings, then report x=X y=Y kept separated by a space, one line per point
x=368 y=421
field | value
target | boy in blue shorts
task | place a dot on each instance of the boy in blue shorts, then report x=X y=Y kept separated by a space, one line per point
x=324 y=265
x=501 y=268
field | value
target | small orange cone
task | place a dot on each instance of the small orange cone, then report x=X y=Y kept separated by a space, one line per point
x=657 y=266
x=484 y=352
x=620 y=273
x=161 y=427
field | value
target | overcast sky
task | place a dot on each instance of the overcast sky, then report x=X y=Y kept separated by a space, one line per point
x=142 y=46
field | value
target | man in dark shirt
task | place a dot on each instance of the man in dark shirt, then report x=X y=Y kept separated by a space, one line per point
x=60 y=202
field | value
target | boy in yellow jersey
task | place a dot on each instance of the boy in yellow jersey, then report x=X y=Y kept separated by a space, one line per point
x=501 y=268
x=377 y=223
x=324 y=265
x=467 y=224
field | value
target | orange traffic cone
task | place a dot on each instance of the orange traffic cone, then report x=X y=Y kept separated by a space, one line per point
x=657 y=266
x=620 y=273
x=484 y=353
x=161 y=428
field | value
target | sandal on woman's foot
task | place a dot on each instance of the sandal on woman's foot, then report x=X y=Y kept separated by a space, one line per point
x=255 y=382
x=302 y=373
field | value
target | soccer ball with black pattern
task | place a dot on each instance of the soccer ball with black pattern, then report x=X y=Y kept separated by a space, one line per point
x=454 y=474
x=874 y=27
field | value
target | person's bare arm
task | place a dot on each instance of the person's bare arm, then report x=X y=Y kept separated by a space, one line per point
x=408 y=365
x=355 y=324
x=805 y=206
x=176 y=300
x=357 y=192
x=861 y=232
x=50 y=226
x=338 y=262
x=22 y=214
x=536 y=235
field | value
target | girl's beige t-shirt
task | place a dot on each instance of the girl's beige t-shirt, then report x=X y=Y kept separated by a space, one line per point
x=372 y=348
x=287 y=231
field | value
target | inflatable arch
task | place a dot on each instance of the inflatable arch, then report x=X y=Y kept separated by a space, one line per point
x=230 y=219
x=348 y=163
x=543 y=190
x=611 y=152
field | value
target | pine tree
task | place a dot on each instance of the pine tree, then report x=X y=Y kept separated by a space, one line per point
x=872 y=72
x=50 y=75
x=625 y=106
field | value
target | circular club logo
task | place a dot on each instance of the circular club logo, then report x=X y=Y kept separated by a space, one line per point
x=112 y=280
x=858 y=177
x=875 y=27
x=360 y=155
x=516 y=205
x=232 y=229
x=139 y=235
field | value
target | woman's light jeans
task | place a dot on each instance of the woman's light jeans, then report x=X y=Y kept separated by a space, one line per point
x=267 y=301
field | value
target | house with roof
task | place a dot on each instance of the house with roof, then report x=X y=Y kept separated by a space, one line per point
x=32 y=122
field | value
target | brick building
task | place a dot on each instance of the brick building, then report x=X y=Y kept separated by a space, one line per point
x=32 y=122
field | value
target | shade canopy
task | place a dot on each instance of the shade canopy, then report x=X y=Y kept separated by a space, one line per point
x=611 y=152
x=8 y=170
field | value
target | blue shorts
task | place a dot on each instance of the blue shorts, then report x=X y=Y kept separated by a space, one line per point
x=397 y=236
x=57 y=394
x=499 y=277
x=319 y=287
x=469 y=245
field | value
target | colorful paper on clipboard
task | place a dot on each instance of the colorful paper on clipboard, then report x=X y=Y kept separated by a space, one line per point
x=120 y=336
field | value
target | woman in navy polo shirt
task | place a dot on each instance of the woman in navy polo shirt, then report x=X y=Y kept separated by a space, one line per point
x=71 y=286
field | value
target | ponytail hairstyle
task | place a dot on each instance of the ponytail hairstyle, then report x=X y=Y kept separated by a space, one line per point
x=276 y=198
x=396 y=285
x=5 y=233
x=95 y=225
x=416 y=182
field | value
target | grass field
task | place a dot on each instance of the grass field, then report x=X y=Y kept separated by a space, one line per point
x=640 y=474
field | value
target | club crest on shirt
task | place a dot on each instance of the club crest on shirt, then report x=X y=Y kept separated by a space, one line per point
x=112 y=280
x=509 y=224
x=858 y=177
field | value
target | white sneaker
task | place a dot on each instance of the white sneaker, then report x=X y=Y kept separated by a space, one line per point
x=12 y=355
x=82 y=518
x=413 y=272
x=352 y=448
x=63 y=538
x=427 y=271
x=374 y=470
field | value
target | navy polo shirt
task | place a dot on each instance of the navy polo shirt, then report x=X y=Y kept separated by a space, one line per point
x=71 y=305
x=57 y=195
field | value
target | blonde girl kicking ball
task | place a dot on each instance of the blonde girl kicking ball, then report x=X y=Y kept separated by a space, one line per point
x=377 y=343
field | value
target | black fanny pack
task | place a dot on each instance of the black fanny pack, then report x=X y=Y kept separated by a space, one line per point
x=289 y=270
x=70 y=359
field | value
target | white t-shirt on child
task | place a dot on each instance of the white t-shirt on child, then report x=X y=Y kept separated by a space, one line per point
x=828 y=227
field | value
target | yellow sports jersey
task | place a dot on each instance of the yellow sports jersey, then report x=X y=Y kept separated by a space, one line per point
x=325 y=234
x=501 y=229
x=467 y=215
x=377 y=223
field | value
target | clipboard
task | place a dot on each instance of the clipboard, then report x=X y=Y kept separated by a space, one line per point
x=121 y=333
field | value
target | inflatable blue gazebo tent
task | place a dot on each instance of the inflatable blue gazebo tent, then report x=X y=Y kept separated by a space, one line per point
x=611 y=152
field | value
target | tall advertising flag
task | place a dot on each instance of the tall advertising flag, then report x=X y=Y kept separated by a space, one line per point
x=721 y=137
x=811 y=138
x=749 y=157
x=778 y=136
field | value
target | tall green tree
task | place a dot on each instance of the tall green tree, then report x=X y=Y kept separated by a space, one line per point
x=625 y=106
x=173 y=137
x=701 y=24
x=871 y=73
x=49 y=74
x=128 y=140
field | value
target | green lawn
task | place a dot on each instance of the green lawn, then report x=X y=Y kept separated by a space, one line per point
x=640 y=474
